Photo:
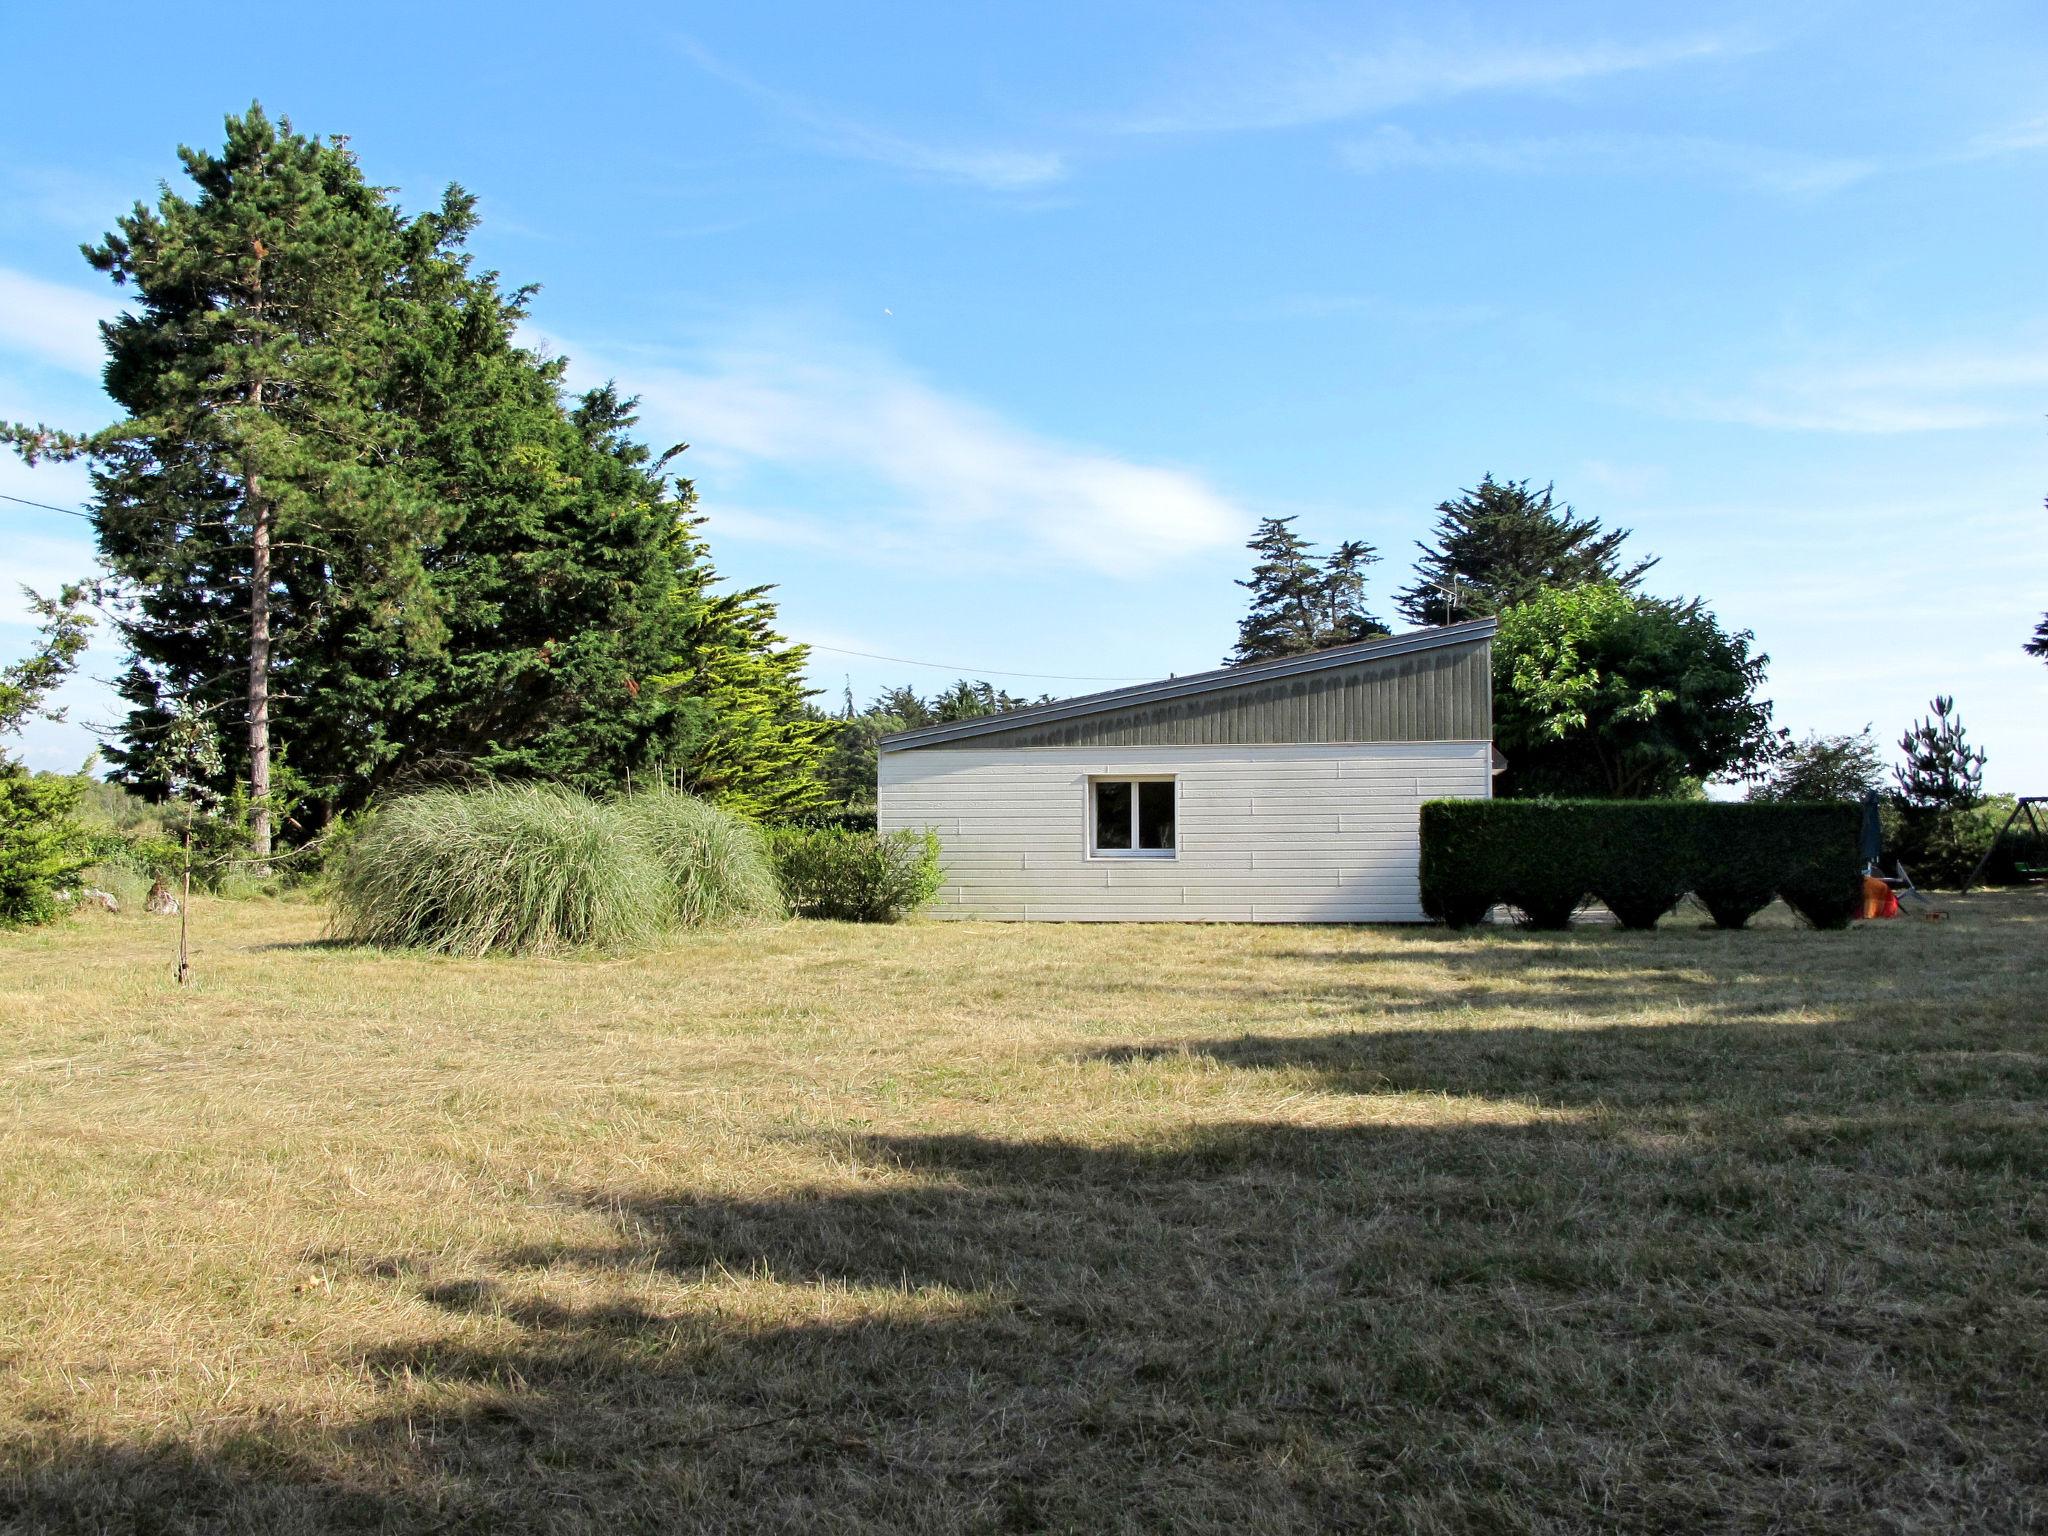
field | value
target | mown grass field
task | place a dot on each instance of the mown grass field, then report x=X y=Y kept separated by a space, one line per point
x=961 y=1227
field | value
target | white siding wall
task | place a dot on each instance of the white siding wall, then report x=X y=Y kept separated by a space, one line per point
x=1281 y=834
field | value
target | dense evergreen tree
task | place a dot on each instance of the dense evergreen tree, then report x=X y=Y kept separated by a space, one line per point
x=460 y=568
x=1301 y=603
x=255 y=472
x=1599 y=692
x=2038 y=646
x=1499 y=543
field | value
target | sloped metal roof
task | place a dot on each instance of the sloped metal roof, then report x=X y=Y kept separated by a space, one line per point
x=1220 y=680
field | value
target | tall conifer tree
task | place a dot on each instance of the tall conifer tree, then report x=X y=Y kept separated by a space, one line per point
x=254 y=472
x=1301 y=603
x=1501 y=543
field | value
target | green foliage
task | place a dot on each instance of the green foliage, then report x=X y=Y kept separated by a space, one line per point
x=26 y=685
x=1941 y=846
x=2038 y=646
x=856 y=877
x=1600 y=693
x=853 y=739
x=42 y=847
x=1500 y=544
x=518 y=867
x=464 y=567
x=1639 y=858
x=1823 y=768
x=717 y=865
x=1942 y=771
x=1301 y=603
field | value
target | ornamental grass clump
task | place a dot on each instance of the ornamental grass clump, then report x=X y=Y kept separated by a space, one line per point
x=717 y=866
x=520 y=867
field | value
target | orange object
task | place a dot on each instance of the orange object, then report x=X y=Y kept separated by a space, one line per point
x=1879 y=899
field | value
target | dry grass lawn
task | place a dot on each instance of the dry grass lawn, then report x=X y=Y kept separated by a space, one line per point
x=964 y=1227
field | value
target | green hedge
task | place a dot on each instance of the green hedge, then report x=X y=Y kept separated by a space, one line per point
x=1639 y=857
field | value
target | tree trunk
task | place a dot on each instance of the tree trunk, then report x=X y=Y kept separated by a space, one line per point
x=259 y=679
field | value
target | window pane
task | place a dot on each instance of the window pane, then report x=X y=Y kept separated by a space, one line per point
x=1112 y=814
x=1155 y=815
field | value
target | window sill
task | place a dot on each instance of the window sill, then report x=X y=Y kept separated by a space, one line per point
x=1116 y=855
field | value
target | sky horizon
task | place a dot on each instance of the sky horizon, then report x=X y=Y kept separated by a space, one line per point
x=993 y=333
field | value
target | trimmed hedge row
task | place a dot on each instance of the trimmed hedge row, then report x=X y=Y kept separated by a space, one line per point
x=1639 y=857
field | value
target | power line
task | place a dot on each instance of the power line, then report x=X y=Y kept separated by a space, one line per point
x=965 y=671
x=45 y=506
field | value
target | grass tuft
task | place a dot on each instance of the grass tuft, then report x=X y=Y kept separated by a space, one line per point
x=717 y=865
x=522 y=867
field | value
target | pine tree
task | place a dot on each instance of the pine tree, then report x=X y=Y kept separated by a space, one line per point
x=254 y=482
x=2038 y=646
x=1500 y=543
x=1941 y=771
x=1299 y=603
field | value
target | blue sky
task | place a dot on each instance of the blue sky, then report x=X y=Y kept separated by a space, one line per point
x=993 y=331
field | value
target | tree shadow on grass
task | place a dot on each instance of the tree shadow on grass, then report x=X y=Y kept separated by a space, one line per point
x=1557 y=1324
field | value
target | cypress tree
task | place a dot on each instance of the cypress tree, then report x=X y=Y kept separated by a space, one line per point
x=462 y=567
x=1300 y=603
x=1500 y=543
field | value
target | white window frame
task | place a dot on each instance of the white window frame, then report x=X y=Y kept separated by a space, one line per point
x=1134 y=851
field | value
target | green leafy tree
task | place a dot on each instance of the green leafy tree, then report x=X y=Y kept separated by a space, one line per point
x=1601 y=693
x=42 y=846
x=1843 y=767
x=1942 y=771
x=1301 y=603
x=1500 y=543
x=2038 y=646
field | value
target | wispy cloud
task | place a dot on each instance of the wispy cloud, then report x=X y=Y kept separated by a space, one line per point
x=845 y=451
x=1317 y=84
x=54 y=323
x=1764 y=169
x=1927 y=391
x=1757 y=166
x=999 y=169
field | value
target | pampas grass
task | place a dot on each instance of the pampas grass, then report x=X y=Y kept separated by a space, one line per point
x=524 y=867
x=534 y=868
x=717 y=865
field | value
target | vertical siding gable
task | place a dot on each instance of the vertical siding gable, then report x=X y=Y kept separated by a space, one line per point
x=1435 y=695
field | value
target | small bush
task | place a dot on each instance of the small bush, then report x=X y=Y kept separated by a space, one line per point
x=717 y=865
x=523 y=867
x=1639 y=857
x=856 y=877
x=42 y=847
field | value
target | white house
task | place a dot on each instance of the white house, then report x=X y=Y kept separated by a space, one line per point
x=1286 y=791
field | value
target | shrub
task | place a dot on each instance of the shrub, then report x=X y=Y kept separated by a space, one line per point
x=856 y=877
x=524 y=867
x=717 y=865
x=1639 y=857
x=1640 y=881
x=42 y=848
